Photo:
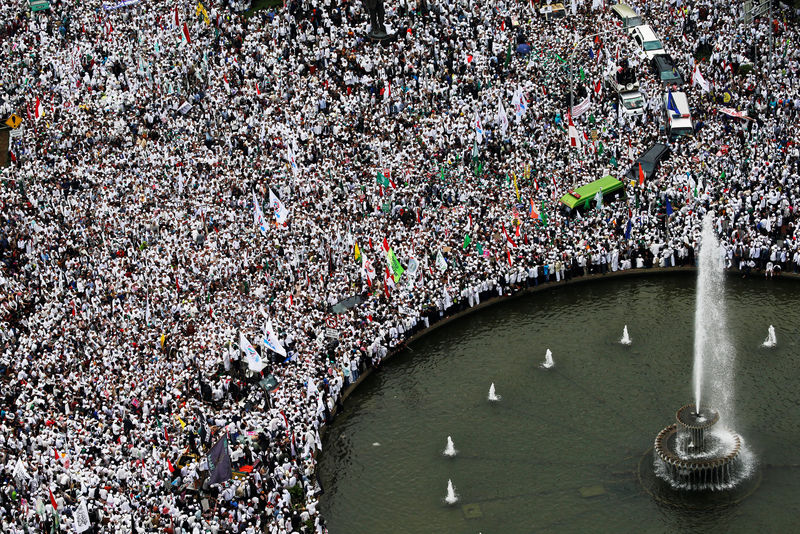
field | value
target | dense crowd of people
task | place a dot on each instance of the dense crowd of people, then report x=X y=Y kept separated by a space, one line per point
x=136 y=271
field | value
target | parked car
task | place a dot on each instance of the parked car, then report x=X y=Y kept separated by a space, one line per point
x=647 y=41
x=650 y=161
x=663 y=66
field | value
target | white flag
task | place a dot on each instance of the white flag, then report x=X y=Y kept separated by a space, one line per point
x=367 y=268
x=258 y=215
x=502 y=118
x=411 y=269
x=478 y=129
x=697 y=79
x=81 y=516
x=278 y=207
x=254 y=361
x=270 y=339
x=519 y=103
x=292 y=161
x=441 y=264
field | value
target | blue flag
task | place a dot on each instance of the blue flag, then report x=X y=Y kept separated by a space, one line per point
x=669 y=208
x=628 y=229
x=671 y=105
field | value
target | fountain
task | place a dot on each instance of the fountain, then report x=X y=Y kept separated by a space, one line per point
x=548 y=360
x=451 y=497
x=492 y=395
x=771 y=339
x=626 y=339
x=693 y=453
x=450 y=449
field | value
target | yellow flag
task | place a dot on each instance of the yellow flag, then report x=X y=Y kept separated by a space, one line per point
x=163 y=337
x=516 y=188
x=201 y=10
x=357 y=252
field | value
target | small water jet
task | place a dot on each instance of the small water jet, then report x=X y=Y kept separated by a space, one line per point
x=626 y=339
x=771 y=340
x=548 y=360
x=492 y=395
x=450 y=449
x=451 y=497
x=693 y=454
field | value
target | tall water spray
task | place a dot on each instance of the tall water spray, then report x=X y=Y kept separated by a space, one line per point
x=450 y=449
x=451 y=497
x=713 y=352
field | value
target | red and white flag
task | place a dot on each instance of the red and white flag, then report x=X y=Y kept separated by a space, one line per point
x=38 y=110
x=186 y=33
x=697 y=79
x=574 y=136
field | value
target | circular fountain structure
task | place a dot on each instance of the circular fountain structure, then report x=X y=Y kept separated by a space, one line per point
x=690 y=454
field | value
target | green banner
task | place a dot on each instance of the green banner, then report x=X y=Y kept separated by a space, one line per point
x=394 y=264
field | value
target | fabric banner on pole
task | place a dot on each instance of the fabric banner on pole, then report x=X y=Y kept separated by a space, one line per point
x=254 y=361
x=279 y=208
x=81 y=516
x=219 y=462
x=270 y=339
x=441 y=263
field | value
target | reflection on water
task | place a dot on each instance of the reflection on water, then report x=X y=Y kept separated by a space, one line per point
x=560 y=451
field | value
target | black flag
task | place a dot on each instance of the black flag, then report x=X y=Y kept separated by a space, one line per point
x=219 y=462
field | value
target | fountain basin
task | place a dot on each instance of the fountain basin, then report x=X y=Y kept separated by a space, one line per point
x=690 y=456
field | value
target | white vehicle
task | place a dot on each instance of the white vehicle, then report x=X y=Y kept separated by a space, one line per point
x=678 y=117
x=647 y=41
x=632 y=103
x=621 y=80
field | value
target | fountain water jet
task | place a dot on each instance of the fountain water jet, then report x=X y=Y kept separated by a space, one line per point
x=771 y=340
x=492 y=395
x=450 y=449
x=626 y=339
x=548 y=360
x=451 y=497
x=692 y=454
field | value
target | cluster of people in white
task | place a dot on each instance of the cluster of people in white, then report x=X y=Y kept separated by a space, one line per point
x=181 y=215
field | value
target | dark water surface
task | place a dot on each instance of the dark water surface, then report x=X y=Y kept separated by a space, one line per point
x=529 y=462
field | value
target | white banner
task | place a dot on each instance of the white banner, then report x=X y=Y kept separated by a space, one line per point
x=582 y=107
x=81 y=516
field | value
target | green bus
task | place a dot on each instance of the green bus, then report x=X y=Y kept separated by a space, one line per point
x=583 y=197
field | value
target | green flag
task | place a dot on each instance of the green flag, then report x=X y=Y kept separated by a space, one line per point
x=467 y=241
x=394 y=265
x=583 y=75
x=382 y=180
x=600 y=148
x=480 y=249
x=543 y=215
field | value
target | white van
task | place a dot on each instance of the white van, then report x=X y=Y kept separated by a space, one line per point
x=678 y=118
x=647 y=41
